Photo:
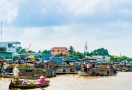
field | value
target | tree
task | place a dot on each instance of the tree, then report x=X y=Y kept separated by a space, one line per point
x=39 y=51
x=46 y=51
x=23 y=50
x=79 y=55
x=61 y=54
x=71 y=50
x=100 y=51
x=30 y=51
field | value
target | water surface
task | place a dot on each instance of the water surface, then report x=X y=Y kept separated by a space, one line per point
x=122 y=81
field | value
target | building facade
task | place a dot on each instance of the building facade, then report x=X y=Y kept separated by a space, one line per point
x=58 y=50
x=10 y=46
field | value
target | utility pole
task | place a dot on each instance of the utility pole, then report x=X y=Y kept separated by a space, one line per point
x=120 y=53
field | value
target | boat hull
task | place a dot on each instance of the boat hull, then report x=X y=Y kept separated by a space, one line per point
x=29 y=86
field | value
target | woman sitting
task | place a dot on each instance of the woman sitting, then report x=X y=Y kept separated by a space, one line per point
x=41 y=80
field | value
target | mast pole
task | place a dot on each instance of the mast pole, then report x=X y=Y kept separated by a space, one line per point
x=85 y=48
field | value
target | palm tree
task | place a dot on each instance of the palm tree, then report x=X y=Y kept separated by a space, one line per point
x=71 y=50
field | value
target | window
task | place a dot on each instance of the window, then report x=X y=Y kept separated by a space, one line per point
x=52 y=50
x=62 y=50
x=28 y=70
x=58 y=50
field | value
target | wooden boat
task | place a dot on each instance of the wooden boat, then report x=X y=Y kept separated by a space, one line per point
x=28 y=86
x=99 y=70
x=64 y=67
x=124 y=70
x=81 y=73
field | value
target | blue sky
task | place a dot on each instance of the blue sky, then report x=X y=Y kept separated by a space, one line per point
x=49 y=23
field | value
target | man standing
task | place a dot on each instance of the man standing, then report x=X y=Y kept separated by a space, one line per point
x=16 y=74
x=19 y=60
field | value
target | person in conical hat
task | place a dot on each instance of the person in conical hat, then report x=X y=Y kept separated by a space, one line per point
x=16 y=74
x=42 y=80
x=5 y=66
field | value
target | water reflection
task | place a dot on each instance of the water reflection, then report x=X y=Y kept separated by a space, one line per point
x=122 y=81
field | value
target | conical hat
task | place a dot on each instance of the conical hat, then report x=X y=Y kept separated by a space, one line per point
x=41 y=76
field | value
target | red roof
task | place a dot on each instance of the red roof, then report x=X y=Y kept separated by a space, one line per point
x=59 y=47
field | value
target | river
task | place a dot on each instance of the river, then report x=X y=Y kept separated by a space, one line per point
x=122 y=81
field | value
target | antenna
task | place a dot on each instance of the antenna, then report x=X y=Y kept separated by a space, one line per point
x=85 y=48
x=1 y=30
x=28 y=49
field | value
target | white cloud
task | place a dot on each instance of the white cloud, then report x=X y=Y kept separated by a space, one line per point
x=62 y=29
x=114 y=36
x=43 y=10
x=126 y=12
x=76 y=36
x=82 y=7
x=8 y=10
x=32 y=32
x=12 y=14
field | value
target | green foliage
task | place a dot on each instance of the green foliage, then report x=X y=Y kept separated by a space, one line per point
x=100 y=51
x=39 y=51
x=71 y=50
x=46 y=52
x=57 y=55
x=119 y=58
x=23 y=50
x=30 y=51
x=87 y=54
x=61 y=54
x=79 y=55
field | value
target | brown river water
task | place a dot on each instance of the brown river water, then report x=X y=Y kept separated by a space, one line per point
x=122 y=81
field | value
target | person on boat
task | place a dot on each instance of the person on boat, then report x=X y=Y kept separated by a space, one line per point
x=85 y=67
x=19 y=60
x=41 y=80
x=93 y=65
x=82 y=66
x=111 y=66
x=5 y=66
x=124 y=64
x=96 y=65
x=108 y=67
x=16 y=74
x=88 y=67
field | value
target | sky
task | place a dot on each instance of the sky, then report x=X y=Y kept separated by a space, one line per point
x=65 y=23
